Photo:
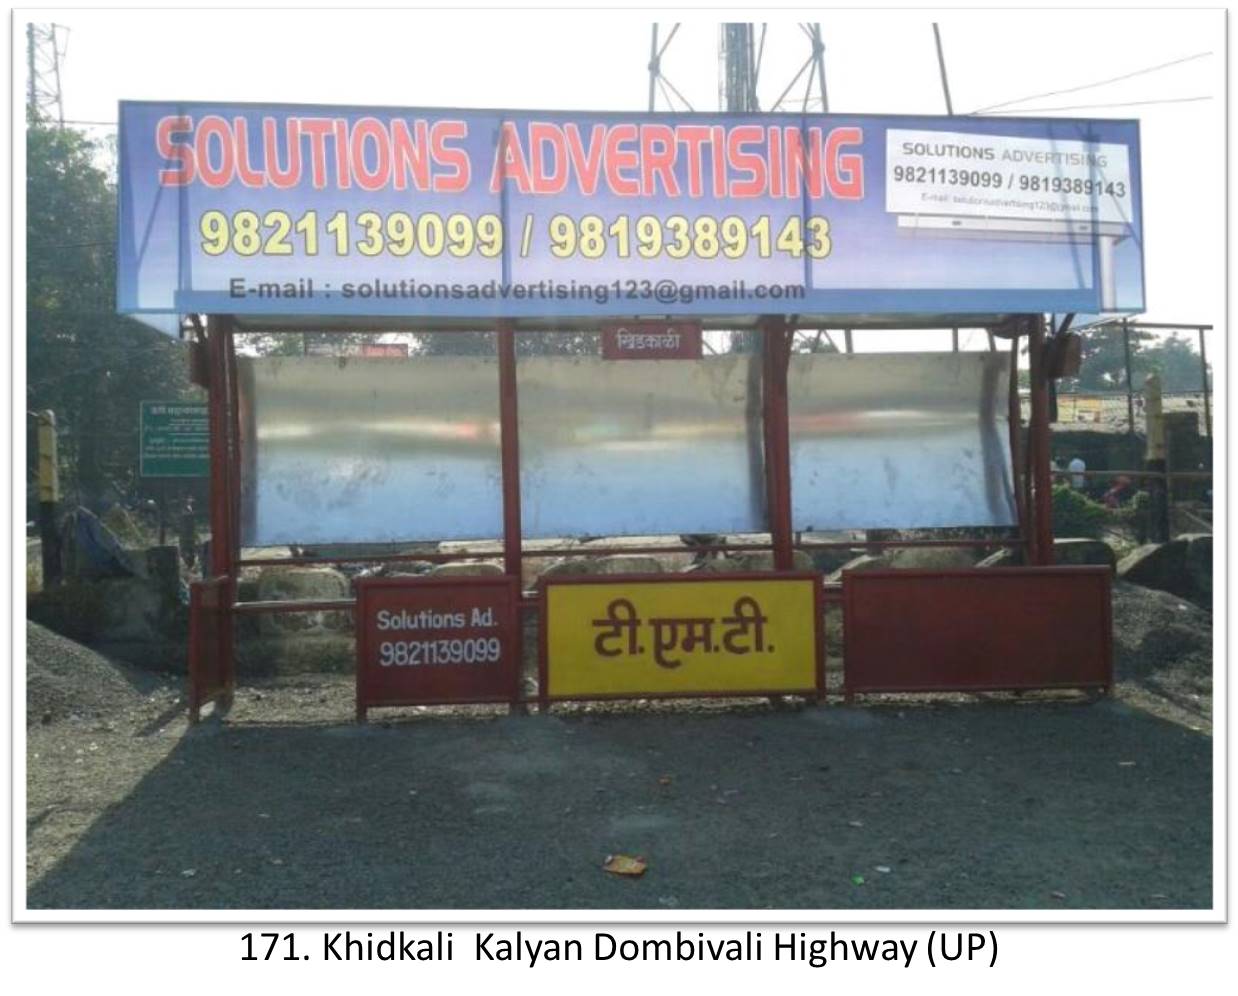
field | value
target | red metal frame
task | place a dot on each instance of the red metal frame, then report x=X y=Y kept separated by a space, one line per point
x=1018 y=473
x=544 y=698
x=509 y=453
x=210 y=618
x=223 y=488
x=977 y=629
x=219 y=356
x=1042 y=484
x=212 y=672
x=776 y=355
x=234 y=448
x=510 y=630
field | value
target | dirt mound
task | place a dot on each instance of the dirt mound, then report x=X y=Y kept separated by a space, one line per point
x=65 y=679
x=1163 y=647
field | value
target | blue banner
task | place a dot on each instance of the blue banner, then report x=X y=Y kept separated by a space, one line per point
x=431 y=213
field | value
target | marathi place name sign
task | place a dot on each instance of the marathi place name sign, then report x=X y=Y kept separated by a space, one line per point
x=651 y=341
x=727 y=634
x=440 y=213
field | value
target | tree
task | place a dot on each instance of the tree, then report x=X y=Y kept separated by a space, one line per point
x=1103 y=366
x=1177 y=361
x=527 y=343
x=85 y=362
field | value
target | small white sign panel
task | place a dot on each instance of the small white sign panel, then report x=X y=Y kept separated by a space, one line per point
x=1001 y=176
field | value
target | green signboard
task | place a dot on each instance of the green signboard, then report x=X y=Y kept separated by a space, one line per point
x=175 y=440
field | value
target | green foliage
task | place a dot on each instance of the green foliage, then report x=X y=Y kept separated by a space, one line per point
x=527 y=344
x=84 y=362
x=1076 y=515
x=1175 y=358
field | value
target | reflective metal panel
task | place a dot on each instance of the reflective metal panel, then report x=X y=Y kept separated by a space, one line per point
x=639 y=447
x=900 y=441
x=364 y=450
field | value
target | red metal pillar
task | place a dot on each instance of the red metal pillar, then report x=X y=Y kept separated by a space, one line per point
x=234 y=452
x=509 y=429
x=776 y=355
x=1018 y=470
x=219 y=330
x=1042 y=483
x=217 y=676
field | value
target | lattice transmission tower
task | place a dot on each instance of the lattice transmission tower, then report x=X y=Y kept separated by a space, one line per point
x=46 y=45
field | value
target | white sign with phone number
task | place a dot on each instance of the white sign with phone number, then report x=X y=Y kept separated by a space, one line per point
x=1002 y=176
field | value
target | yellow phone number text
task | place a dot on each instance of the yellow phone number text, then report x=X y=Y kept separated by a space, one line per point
x=590 y=237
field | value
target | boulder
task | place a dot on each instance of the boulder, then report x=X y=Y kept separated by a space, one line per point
x=1158 y=565
x=1084 y=551
x=404 y=569
x=1009 y=557
x=301 y=584
x=466 y=568
x=829 y=560
x=163 y=569
x=363 y=551
x=864 y=562
x=1199 y=567
x=615 y=564
x=323 y=652
x=108 y=609
x=936 y=558
x=122 y=525
x=134 y=609
x=755 y=562
x=1065 y=551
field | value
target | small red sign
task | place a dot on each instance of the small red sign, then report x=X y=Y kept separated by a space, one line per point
x=436 y=641
x=651 y=341
x=393 y=350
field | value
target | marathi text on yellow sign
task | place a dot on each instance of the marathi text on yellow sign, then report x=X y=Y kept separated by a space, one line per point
x=679 y=637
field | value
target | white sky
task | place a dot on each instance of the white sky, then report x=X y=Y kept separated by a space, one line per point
x=878 y=61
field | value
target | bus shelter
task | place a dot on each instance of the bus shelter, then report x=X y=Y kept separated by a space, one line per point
x=651 y=230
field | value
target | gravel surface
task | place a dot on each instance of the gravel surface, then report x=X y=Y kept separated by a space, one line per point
x=1163 y=654
x=1033 y=802
x=65 y=679
x=288 y=805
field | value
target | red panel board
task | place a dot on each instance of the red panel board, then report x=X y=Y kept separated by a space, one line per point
x=978 y=629
x=651 y=341
x=435 y=641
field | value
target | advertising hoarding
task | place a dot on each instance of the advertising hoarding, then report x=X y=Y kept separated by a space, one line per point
x=426 y=641
x=450 y=214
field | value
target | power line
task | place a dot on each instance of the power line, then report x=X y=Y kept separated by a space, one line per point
x=1088 y=86
x=1082 y=107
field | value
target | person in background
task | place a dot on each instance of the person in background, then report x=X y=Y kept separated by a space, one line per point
x=1076 y=468
x=1118 y=492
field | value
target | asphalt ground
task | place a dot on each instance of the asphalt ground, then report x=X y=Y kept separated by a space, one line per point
x=287 y=804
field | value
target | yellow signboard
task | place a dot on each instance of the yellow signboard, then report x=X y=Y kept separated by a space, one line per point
x=737 y=634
